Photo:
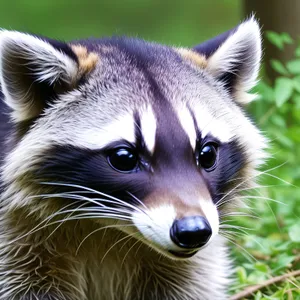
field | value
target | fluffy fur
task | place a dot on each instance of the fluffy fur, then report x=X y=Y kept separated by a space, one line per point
x=75 y=228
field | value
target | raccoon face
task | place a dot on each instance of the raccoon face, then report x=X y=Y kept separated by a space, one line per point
x=150 y=139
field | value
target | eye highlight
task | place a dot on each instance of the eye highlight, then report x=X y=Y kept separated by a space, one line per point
x=123 y=160
x=207 y=157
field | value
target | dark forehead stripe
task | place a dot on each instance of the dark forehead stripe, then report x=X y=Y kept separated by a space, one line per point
x=198 y=132
x=139 y=139
x=171 y=139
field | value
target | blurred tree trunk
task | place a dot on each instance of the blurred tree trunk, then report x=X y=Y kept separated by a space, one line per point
x=279 y=16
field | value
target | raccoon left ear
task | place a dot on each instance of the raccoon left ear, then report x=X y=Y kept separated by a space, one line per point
x=36 y=70
x=234 y=58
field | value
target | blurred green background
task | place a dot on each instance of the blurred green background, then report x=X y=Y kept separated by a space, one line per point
x=171 y=22
x=270 y=247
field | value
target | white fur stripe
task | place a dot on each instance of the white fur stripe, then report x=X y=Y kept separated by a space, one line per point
x=148 y=128
x=188 y=125
x=122 y=128
x=210 y=124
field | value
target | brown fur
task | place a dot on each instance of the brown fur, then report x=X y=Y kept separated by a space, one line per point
x=197 y=59
x=182 y=206
x=87 y=60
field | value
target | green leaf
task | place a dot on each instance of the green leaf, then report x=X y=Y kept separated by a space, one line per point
x=262 y=267
x=256 y=277
x=275 y=39
x=278 y=67
x=296 y=100
x=279 y=294
x=283 y=247
x=294 y=66
x=258 y=296
x=283 y=90
x=283 y=261
x=278 y=120
x=271 y=298
x=294 y=232
x=285 y=141
x=242 y=275
x=286 y=38
x=265 y=91
x=296 y=81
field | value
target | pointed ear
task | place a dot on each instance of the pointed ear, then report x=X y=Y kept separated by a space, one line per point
x=234 y=58
x=34 y=71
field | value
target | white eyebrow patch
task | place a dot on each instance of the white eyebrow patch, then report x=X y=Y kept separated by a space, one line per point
x=187 y=123
x=208 y=124
x=122 y=128
x=148 y=128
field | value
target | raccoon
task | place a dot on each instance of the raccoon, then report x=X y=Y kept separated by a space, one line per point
x=120 y=159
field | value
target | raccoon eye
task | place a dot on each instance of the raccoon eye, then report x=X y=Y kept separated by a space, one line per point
x=123 y=160
x=207 y=157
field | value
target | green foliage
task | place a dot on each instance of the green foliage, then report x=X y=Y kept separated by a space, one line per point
x=279 y=39
x=171 y=22
x=272 y=246
x=283 y=90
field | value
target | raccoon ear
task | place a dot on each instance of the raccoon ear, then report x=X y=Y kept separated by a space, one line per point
x=234 y=58
x=34 y=71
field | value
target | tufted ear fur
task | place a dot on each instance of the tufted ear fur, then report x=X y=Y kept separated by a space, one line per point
x=33 y=71
x=234 y=58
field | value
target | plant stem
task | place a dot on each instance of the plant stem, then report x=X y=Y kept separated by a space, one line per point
x=254 y=288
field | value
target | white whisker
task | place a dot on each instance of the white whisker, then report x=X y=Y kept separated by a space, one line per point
x=95 y=192
x=137 y=241
x=138 y=200
x=249 y=255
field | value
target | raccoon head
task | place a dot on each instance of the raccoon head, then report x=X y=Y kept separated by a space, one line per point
x=149 y=138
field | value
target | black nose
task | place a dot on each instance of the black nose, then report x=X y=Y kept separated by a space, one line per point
x=190 y=232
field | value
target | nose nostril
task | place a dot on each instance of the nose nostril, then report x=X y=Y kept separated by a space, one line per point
x=190 y=232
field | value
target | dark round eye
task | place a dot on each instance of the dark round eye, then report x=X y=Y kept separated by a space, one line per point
x=123 y=159
x=208 y=156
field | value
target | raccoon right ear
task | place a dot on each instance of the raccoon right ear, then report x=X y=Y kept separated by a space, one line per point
x=234 y=57
x=35 y=70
